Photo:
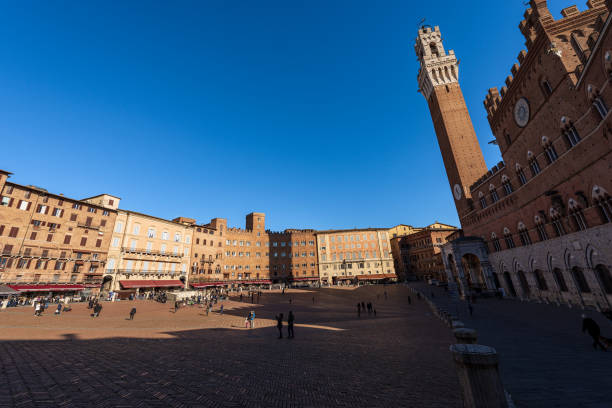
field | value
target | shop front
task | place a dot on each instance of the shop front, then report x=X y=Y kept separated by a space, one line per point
x=146 y=287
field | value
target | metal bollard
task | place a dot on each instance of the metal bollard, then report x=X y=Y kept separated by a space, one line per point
x=477 y=368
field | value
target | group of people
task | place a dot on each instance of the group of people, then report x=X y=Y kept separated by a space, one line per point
x=362 y=307
x=279 y=325
x=249 y=322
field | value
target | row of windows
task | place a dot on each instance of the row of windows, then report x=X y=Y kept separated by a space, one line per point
x=353 y=246
x=7 y=201
x=147 y=266
x=274 y=244
x=275 y=254
x=602 y=273
x=352 y=237
x=571 y=137
x=152 y=233
x=576 y=218
x=351 y=255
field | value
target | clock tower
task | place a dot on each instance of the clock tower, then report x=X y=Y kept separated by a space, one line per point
x=439 y=83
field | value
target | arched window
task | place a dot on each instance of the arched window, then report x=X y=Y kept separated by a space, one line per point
x=605 y=278
x=494 y=196
x=549 y=150
x=483 y=200
x=507 y=185
x=495 y=242
x=556 y=222
x=560 y=279
x=507 y=137
x=540 y=280
x=546 y=88
x=524 y=234
x=533 y=164
x=577 y=215
x=540 y=228
x=598 y=103
x=604 y=203
x=521 y=174
x=434 y=50
x=508 y=238
x=569 y=131
x=581 y=281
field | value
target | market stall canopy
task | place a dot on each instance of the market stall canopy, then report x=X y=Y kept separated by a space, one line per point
x=7 y=291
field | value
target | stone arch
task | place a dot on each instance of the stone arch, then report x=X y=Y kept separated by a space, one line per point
x=107 y=282
x=603 y=275
x=523 y=281
x=504 y=178
x=473 y=270
x=491 y=187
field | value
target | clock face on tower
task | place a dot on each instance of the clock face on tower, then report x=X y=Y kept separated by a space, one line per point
x=521 y=112
x=457 y=192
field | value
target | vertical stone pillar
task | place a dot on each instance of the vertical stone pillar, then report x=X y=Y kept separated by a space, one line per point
x=477 y=368
x=487 y=271
x=463 y=286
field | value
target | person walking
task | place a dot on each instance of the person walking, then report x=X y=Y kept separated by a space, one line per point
x=252 y=319
x=279 y=325
x=37 y=309
x=290 y=320
x=590 y=326
x=58 y=311
x=132 y=313
x=221 y=310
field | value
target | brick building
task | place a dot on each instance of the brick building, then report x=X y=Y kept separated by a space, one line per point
x=355 y=255
x=147 y=253
x=425 y=251
x=254 y=255
x=50 y=243
x=538 y=224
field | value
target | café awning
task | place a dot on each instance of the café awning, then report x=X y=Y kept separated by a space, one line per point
x=134 y=284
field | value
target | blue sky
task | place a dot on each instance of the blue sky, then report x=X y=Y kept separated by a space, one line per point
x=305 y=110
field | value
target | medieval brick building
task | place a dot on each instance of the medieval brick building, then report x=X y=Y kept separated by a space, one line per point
x=539 y=223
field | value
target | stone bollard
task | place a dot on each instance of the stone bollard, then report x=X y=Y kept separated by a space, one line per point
x=465 y=336
x=477 y=368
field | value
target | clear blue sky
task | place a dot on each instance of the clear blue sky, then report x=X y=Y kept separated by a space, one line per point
x=305 y=110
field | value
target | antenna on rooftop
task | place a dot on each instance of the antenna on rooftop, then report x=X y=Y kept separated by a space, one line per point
x=421 y=22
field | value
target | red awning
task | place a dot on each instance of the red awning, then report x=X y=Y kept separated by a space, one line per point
x=304 y=278
x=377 y=276
x=207 y=284
x=47 y=288
x=133 y=284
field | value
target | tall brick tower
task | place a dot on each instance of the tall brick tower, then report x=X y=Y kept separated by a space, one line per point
x=439 y=82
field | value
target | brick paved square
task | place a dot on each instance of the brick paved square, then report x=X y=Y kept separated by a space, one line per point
x=162 y=358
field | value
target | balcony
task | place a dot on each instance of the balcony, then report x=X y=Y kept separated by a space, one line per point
x=143 y=251
x=88 y=226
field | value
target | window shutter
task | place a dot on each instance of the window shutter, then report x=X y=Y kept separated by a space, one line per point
x=47 y=210
x=33 y=236
x=28 y=207
x=50 y=237
x=38 y=207
x=1 y=229
x=19 y=204
x=64 y=266
x=98 y=243
x=61 y=213
x=10 y=202
x=28 y=265
x=67 y=239
x=83 y=241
